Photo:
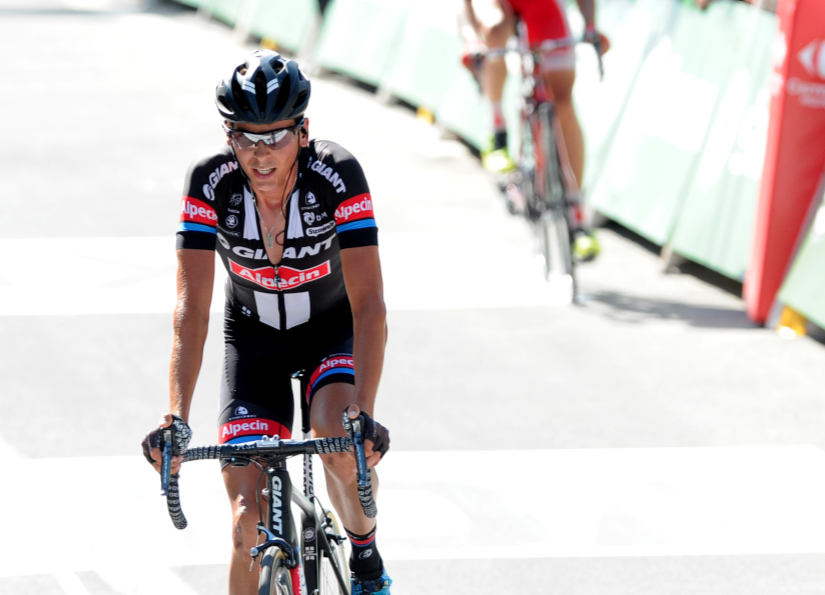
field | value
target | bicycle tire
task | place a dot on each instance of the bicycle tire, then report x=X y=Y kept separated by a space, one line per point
x=276 y=577
x=552 y=225
x=328 y=582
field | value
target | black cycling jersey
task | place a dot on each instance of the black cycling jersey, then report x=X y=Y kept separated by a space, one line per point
x=330 y=209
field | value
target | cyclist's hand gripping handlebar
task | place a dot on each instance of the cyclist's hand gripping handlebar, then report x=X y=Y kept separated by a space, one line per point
x=355 y=428
x=594 y=38
x=171 y=441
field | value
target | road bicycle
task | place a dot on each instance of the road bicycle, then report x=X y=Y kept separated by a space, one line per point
x=318 y=557
x=543 y=188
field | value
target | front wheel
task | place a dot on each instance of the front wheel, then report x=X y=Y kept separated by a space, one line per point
x=276 y=578
x=333 y=570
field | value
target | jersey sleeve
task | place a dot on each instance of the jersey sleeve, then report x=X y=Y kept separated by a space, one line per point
x=197 y=227
x=354 y=215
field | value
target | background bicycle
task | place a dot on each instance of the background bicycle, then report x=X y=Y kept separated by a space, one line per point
x=543 y=188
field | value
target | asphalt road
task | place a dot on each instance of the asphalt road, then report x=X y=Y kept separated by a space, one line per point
x=649 y=441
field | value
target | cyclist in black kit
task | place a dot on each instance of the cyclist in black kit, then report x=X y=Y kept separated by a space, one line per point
x=292 y=220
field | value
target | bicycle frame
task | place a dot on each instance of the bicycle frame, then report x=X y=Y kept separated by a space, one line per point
x=279 y=528
x=536 y=96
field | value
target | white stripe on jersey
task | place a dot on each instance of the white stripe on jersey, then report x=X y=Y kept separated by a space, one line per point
x=296 y=228
x=250 y=226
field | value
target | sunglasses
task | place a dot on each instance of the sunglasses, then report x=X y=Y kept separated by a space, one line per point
x=274 y=139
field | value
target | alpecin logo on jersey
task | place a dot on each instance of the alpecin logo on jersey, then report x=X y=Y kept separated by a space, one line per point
x=235 y=429
x=335 y=361
x=289 y=278
x=196 y=211
x=357 y=207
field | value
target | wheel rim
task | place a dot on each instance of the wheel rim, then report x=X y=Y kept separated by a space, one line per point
x=281 y=583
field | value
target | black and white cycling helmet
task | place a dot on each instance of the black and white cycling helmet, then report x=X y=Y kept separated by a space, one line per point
x=266 y=88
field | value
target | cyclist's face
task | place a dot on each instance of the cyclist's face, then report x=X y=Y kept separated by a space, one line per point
x=267 y=166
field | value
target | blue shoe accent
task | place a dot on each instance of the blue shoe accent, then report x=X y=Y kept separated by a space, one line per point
x=378 y=586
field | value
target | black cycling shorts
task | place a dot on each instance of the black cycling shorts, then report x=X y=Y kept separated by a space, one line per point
x=259 y=362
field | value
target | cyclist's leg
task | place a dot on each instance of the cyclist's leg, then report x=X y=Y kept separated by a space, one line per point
x=561 y=81
x=560 y=75
x=495 y=23
x=369 y=575
x=330 y=390
x=256 y=401
x=328 y=406
x=241 y=484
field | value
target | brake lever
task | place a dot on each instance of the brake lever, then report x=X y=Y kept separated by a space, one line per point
x=166 y=462
x=360 y=458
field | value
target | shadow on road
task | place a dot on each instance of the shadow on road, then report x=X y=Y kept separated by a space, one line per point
x=636 y=310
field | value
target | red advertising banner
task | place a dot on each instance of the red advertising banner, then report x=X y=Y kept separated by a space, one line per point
x=795 y=155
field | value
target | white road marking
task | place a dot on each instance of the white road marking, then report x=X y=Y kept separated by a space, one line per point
x=449 y=505
x=145 y=579
x=137 y=275
x=70 y=583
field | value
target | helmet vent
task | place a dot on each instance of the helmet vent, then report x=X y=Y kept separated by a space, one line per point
x=239 y=95
x=283 y=94
x=260 y=91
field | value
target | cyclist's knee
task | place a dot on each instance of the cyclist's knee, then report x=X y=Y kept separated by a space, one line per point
x=341 y=465
x=244 y=523
x=561 y=84
x=498 y=34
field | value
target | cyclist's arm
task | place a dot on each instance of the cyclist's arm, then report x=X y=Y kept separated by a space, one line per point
x=195 y=276
x=472 y=19
x=588 y=10
x=499 y=15
x=362 y=276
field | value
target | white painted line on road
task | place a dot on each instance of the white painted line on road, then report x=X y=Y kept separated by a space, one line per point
x=137 y=275
x=450 y=505
x=70 y=583
x=145 y=579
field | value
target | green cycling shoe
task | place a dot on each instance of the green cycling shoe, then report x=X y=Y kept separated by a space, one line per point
x=498 y=161
x=586 y=246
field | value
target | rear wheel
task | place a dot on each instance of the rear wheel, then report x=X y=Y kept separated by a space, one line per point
x=276 y=578
x=551 y=224
x=330 y=582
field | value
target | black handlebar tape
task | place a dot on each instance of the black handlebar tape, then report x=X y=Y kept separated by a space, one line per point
x=202 y=452
x=365 y=496
x=366 y=499
x=173 y=503
x=329 y=445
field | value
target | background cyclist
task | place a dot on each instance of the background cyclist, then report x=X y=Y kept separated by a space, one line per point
x=292 y=220
x=494 y=22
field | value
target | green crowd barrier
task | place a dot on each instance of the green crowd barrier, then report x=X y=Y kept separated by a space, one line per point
x=427 y=58
x=226 y=11
x=286 y=22
x=634 y=29
x=804 y=286
x=360 y=38
x=662 y=132
x=716 y=223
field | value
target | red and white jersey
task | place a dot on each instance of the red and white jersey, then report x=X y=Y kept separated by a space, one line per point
x=544 y=19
